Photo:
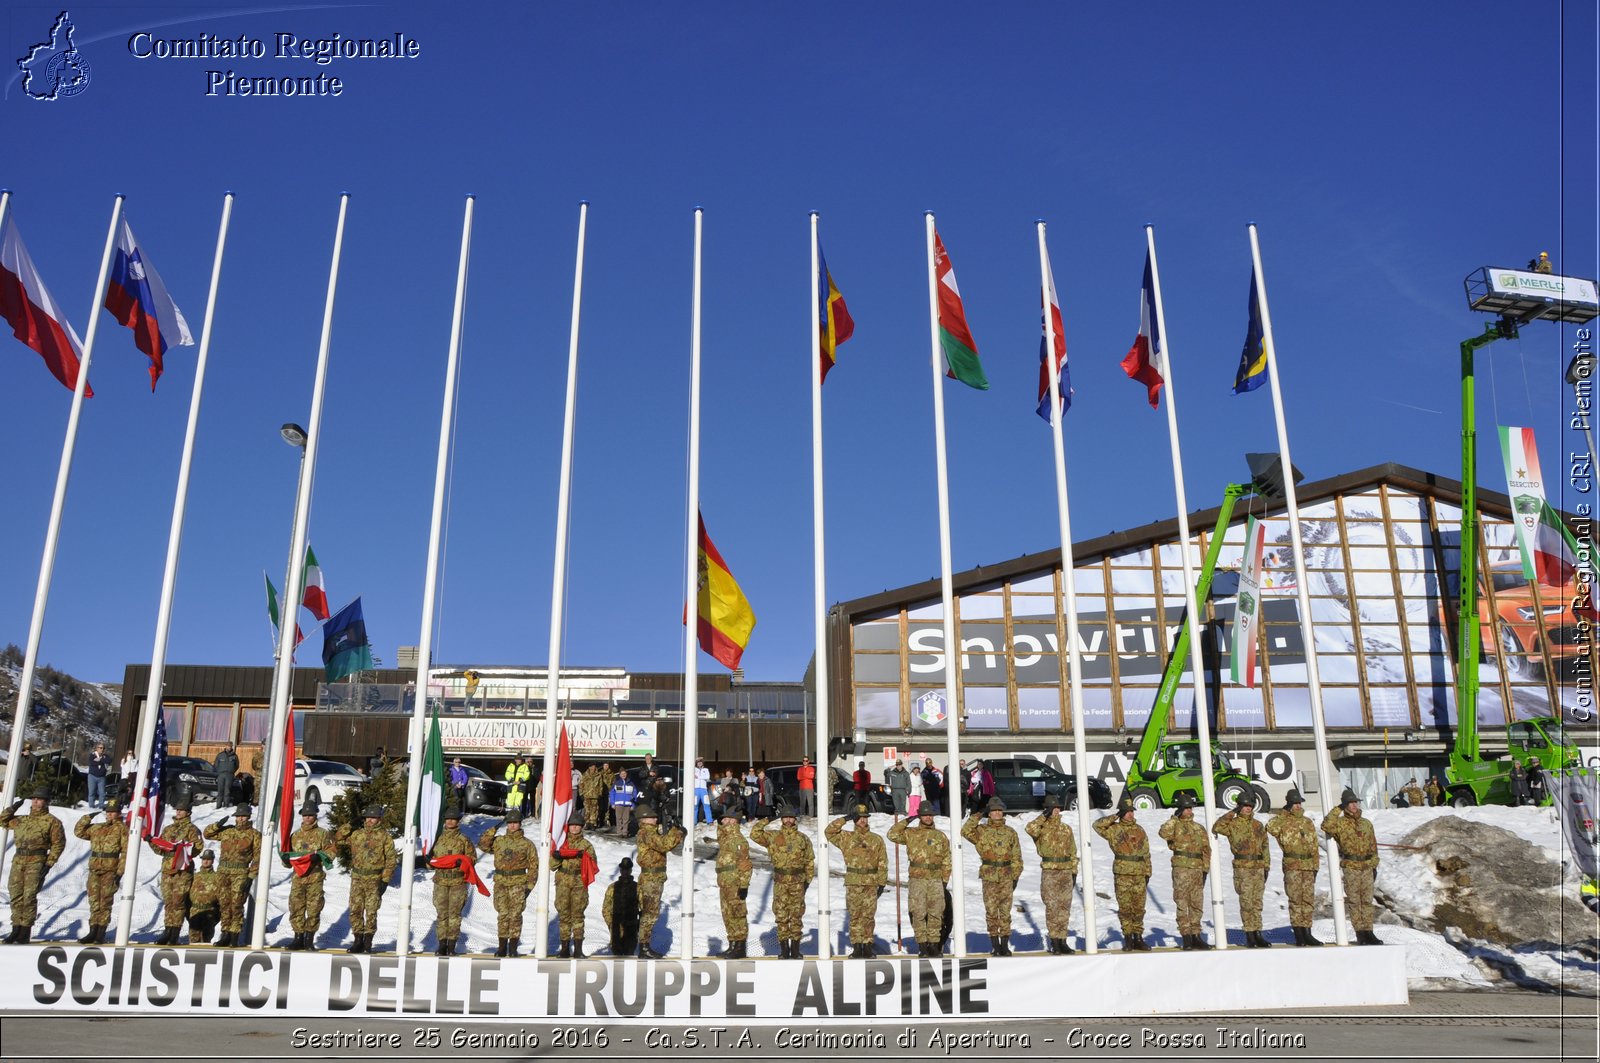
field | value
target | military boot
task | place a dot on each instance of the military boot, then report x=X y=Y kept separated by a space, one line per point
x=500 y=950
x=100 y=935
x=1003 y=946
x=566 y=949
x=11 y=938
x=1363 y=937
x=511 y=946
x=1062 y=948
x=88 y=936
x=736 y=950
x=27 y=936
x=577 y=950
x=359 y=943
x=1256 y=940
x=928 y=948
x=1201 y=944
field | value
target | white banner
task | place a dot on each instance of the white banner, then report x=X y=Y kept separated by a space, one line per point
x=1542 y=285
x=1247 y=611
x=1271 y=766
x=525 y=734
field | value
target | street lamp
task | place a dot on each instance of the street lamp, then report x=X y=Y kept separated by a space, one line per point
x=293 y=435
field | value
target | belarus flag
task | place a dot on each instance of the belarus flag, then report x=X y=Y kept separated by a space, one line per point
x=1143 y=361
x=561 y=797
x=1060 y=344
x=137 y=298
x=28 y=307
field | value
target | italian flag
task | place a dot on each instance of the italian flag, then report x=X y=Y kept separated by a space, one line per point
x=315 y=595
x=272 y=613
x=1549 y=551
x=430 y=800
x=1247 y=613
x=960 y=351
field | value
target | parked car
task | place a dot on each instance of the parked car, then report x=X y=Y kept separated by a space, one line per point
x=318 y=781
x=484 y=794
x=188 y=776
x=1511 y=629
x=785 y=783
x=1023 y=782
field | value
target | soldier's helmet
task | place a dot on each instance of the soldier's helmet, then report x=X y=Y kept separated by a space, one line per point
x=732 y=811
x=41 y=793
x=994 y=805
x=625 y=866
x=1292 y=798
x=310 y=809
x=1246 y=799
x=243 y=809
x=182 y=803
x=113 y=806
x=207 y=857
x=784 y=808
x=860 y=812
x=1348 y=796
x=925 y=809
x=1126 y=804
x=372 y=812
x=1051 y=801
x=452 y=811
x=646 y=811
x=1184 y=799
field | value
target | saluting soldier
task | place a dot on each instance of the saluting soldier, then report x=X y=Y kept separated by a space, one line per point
x=1434 y=792
x=574 y=866
x=794 y=865
x=928 y=851
x=205 y=900
x=1000 y=851
x=514 y=855
x=1297 y=837
x=1358 y=862
x=1414 y=795
x=240 y=860
x=311 y=852
x=733 y=882
x=866 y=873
x=1248 y=840
x=592 y=787
x=450 y=882
x=108 y=856
x=178 y=843
x=372 y=862
x=653 y=844
x=40 y=839
x=1058 y=870
x=1191 y=859
x=1130 y=870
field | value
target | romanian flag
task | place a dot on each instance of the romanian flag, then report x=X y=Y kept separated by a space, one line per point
x=1253 y=359
x=834 y=316
x=960 y=350
x=725 y=616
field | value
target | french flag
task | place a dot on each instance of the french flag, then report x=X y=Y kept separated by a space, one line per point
x=32 y=313
x=137 y=298
x=1143 y=361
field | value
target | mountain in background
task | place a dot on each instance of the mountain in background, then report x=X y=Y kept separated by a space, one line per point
x=67 y=714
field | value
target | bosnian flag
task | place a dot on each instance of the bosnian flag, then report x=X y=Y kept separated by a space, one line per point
x=137 y=298
x=561 y=797
x=1053 y=329
x=315 y=595
x=1143 y=361
x=32 y=313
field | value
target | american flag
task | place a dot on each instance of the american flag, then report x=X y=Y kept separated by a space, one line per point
x=151 y=809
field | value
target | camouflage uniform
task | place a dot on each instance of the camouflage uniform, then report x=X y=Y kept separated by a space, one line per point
x=175 y=883
x=794 y=865
x=733 y=881
x=40 y=838
x=1248 y=840
x=928 y=851
x=866 y=873
x=1358 y=864
x=514 y=857
x=372 y=862
x=205 y=902
x=654 y=843
x=1000 y=851
x=572 y=893
x=1191 y=858
x=1058 y=870
x=1414 y=795
x=592 y=787
x=450 y=884
x=305 y=891
x=239 y=862
x=1435 y=792
x=1130 y=871
x=108 y=856
x=1297 y=836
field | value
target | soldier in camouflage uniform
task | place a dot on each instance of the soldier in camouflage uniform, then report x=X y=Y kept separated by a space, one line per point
x=178 y=843
x=928 y=851
x=794 y=865
x=241 y=859
x=514 y=856
x=592 y=788
x=40 y=838
x=653 y=844
x=1000 y=852
x=1358 y=862
x=1434 y=792
x=305 y=892
x=450 y=883
x=620 y=908
x=1248 y=840
x=372 y=862
x=205 y=900
x=733 y=883
x=1191 y=859
x=866 y=873
x=1297 y=836
x=1414 y=795
x=1058 y=859
x=1130 y=870
x=574 y=866
x=108 y=855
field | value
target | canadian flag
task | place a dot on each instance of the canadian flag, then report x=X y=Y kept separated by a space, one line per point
x=561 y=797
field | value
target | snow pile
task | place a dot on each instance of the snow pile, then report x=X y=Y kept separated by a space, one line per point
x=1475 y=895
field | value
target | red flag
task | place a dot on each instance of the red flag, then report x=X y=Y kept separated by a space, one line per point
x=561 y=797
x=1144 y=360
x=465 y=865
x=286 y=797
x=34 y=317
x=184 y=859
x=588 y=869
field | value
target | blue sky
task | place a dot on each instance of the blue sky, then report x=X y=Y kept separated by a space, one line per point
x=1385 y=151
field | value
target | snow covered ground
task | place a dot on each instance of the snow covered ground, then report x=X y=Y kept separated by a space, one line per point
x=1411 y=893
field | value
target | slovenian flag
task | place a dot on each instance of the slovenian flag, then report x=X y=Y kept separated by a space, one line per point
x=1060 y=343
x=1144 y=359
x=137 y=298
x=960 y=350
x=32 y=313
x=1253 y=359
x=835 y=322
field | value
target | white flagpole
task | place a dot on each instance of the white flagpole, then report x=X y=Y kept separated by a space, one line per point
x=169 y=580
x=691 y=660
x=47 y=564
x=283 y=681
x=558 y=594
x=952 y=647
x=430 y=583
x=1326 y=777
x=1197 y=627
x=1080 y=751
x=819 y=583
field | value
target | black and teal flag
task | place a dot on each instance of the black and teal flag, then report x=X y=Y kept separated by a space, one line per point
x=345 y=649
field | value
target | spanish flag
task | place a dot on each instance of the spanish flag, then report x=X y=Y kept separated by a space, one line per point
x=725 y=617
x=834 y=317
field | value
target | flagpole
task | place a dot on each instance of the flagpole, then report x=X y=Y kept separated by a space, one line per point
x=169 y=579
x=558 y=592
x=47 y=563
x=283 y=679
x=819 y=582
x=1080 y=751
x=1326 y=778
x=952 y=648
x=430 y=583
x=691 y=661
x=1196 y=619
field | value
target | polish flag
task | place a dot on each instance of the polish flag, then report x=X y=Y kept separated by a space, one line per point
x=32 y=312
